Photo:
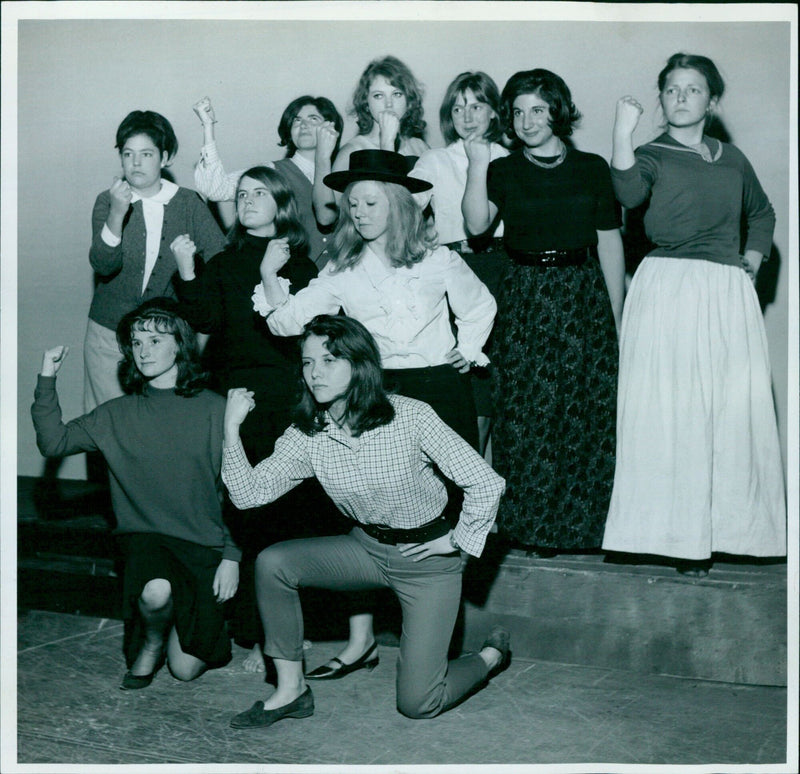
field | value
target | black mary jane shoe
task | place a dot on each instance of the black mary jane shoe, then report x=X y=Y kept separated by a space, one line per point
x=368 y=661
x=258 y=717
x=132 y=682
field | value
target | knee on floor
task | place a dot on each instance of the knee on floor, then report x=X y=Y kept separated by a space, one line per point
x=185 y=672
x=418 y=708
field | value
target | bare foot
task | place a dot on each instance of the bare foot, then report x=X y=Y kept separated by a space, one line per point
x=254 y=660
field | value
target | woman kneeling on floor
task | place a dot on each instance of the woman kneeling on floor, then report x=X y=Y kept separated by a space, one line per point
x=163 y=445
x=374 y=454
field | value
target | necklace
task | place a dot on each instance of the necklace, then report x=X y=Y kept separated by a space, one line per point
x=547 y=164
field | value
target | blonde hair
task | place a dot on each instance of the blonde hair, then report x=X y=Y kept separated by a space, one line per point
x=409 y=238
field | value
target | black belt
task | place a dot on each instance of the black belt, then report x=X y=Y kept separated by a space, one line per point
x=553 y=257
x=430 y=531
x=477 y=245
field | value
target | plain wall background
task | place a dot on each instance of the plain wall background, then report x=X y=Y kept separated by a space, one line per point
x=78 y=79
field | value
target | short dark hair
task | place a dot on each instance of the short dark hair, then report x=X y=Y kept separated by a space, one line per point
x=485 y=90
x=326 y=109
x=152 y=124
x=287 y=220
x=703 y=65
x=162 y=315
x=549 y=87
x=367 y=404
x=397 y=73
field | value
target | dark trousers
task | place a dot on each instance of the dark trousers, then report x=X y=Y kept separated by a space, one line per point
x=429 y=592
x=442 y=387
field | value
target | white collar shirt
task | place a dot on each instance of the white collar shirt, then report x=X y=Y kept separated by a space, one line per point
x=406 y=309
x=305 y=166
x=446 y=169
x=153 y=213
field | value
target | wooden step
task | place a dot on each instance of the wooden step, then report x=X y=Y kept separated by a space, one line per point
x=572 y=609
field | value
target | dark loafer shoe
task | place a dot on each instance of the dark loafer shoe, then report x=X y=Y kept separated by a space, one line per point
x=258 y=717
x=499 y=639
x=132 y=682
x=368 y=661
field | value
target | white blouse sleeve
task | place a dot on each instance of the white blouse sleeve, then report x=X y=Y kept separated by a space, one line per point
x=210 y=178
x=473 y=305
x=321 y=296
x=424 y=170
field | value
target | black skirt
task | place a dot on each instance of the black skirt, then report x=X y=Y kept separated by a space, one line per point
x=190 y=568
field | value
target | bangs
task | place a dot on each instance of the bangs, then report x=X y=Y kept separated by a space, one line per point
x=156 y=323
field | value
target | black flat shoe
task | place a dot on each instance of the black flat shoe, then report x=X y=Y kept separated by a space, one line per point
x=132 y=682
x=499 y=639
x=368 y=661
x=258 y=717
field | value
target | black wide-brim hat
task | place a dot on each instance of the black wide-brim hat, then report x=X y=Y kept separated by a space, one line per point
x=385 y=166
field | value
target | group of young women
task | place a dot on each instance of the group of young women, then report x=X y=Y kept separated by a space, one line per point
x=382 y=261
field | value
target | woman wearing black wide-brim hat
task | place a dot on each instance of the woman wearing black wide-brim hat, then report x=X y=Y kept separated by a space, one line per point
x=387 y=272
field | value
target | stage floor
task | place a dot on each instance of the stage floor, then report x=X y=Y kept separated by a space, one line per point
x=71 y=711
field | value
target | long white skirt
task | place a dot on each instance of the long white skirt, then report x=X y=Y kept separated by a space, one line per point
x=698 y=464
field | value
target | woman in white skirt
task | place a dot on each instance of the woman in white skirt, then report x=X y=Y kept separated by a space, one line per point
x=698 y=457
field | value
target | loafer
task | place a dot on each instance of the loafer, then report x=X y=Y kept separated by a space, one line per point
x=258 y=717
x=368 y=661
x=132 y=682
x=499 y=639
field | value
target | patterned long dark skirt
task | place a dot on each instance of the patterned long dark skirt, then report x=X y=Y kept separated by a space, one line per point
x=555 y=356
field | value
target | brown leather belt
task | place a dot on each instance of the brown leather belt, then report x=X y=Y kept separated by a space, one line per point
x=430 y=531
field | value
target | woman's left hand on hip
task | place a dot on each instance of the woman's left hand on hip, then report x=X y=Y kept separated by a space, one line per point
x=436 y=547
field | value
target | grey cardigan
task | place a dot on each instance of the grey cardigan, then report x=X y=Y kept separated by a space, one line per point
x=119 y=270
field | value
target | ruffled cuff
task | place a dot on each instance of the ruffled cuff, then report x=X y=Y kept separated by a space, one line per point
x=471 y=356
x=481 y=360
x=259 y=297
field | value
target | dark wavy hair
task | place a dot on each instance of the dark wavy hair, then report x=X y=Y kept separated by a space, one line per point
x=703 y=65
x=287 y=221
x=409 y=240
x=161 y=315
x=326 y=109
x=547 y=86
x=485 y=90
x=397 y=73
x=367 y=404
x=149 y=123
